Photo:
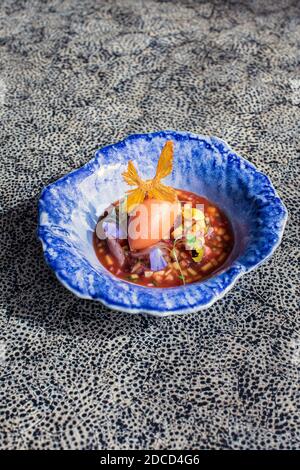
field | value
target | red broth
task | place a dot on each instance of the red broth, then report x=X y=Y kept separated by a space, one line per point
x=183 y=269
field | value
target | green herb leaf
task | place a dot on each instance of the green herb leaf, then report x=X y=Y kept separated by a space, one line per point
x=191 y=239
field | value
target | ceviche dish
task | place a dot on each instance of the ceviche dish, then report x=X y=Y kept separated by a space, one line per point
x=159 y=236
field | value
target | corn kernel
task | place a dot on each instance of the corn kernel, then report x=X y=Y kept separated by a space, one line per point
x=109 y=260
x=206 y=266
x=192 y=271
x=222 y=257
x=148 y=273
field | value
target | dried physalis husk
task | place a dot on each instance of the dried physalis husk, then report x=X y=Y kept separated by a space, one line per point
x=152 y=188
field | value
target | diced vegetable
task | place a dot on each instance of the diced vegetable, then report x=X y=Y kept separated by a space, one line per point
x=148 y=273
x=206 y=266
x=222 y=257
x=211 y=210
x=108 y=260
x=192 y=271
x=157 y=277
x=220 y=230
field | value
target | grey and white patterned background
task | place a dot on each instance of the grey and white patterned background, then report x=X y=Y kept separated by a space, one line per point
x=74 y=76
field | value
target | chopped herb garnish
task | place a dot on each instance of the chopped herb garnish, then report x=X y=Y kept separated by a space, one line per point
x=174 y=254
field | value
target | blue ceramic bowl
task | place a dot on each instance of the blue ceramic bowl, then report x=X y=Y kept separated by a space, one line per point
x=70 y=207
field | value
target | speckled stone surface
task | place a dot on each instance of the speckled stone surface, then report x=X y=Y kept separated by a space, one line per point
x=74 y=76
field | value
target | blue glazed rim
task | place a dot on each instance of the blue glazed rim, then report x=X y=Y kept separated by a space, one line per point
x=162 y=301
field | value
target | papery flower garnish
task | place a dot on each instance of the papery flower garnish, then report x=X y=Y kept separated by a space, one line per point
x=157 y=260
x=152 y=188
